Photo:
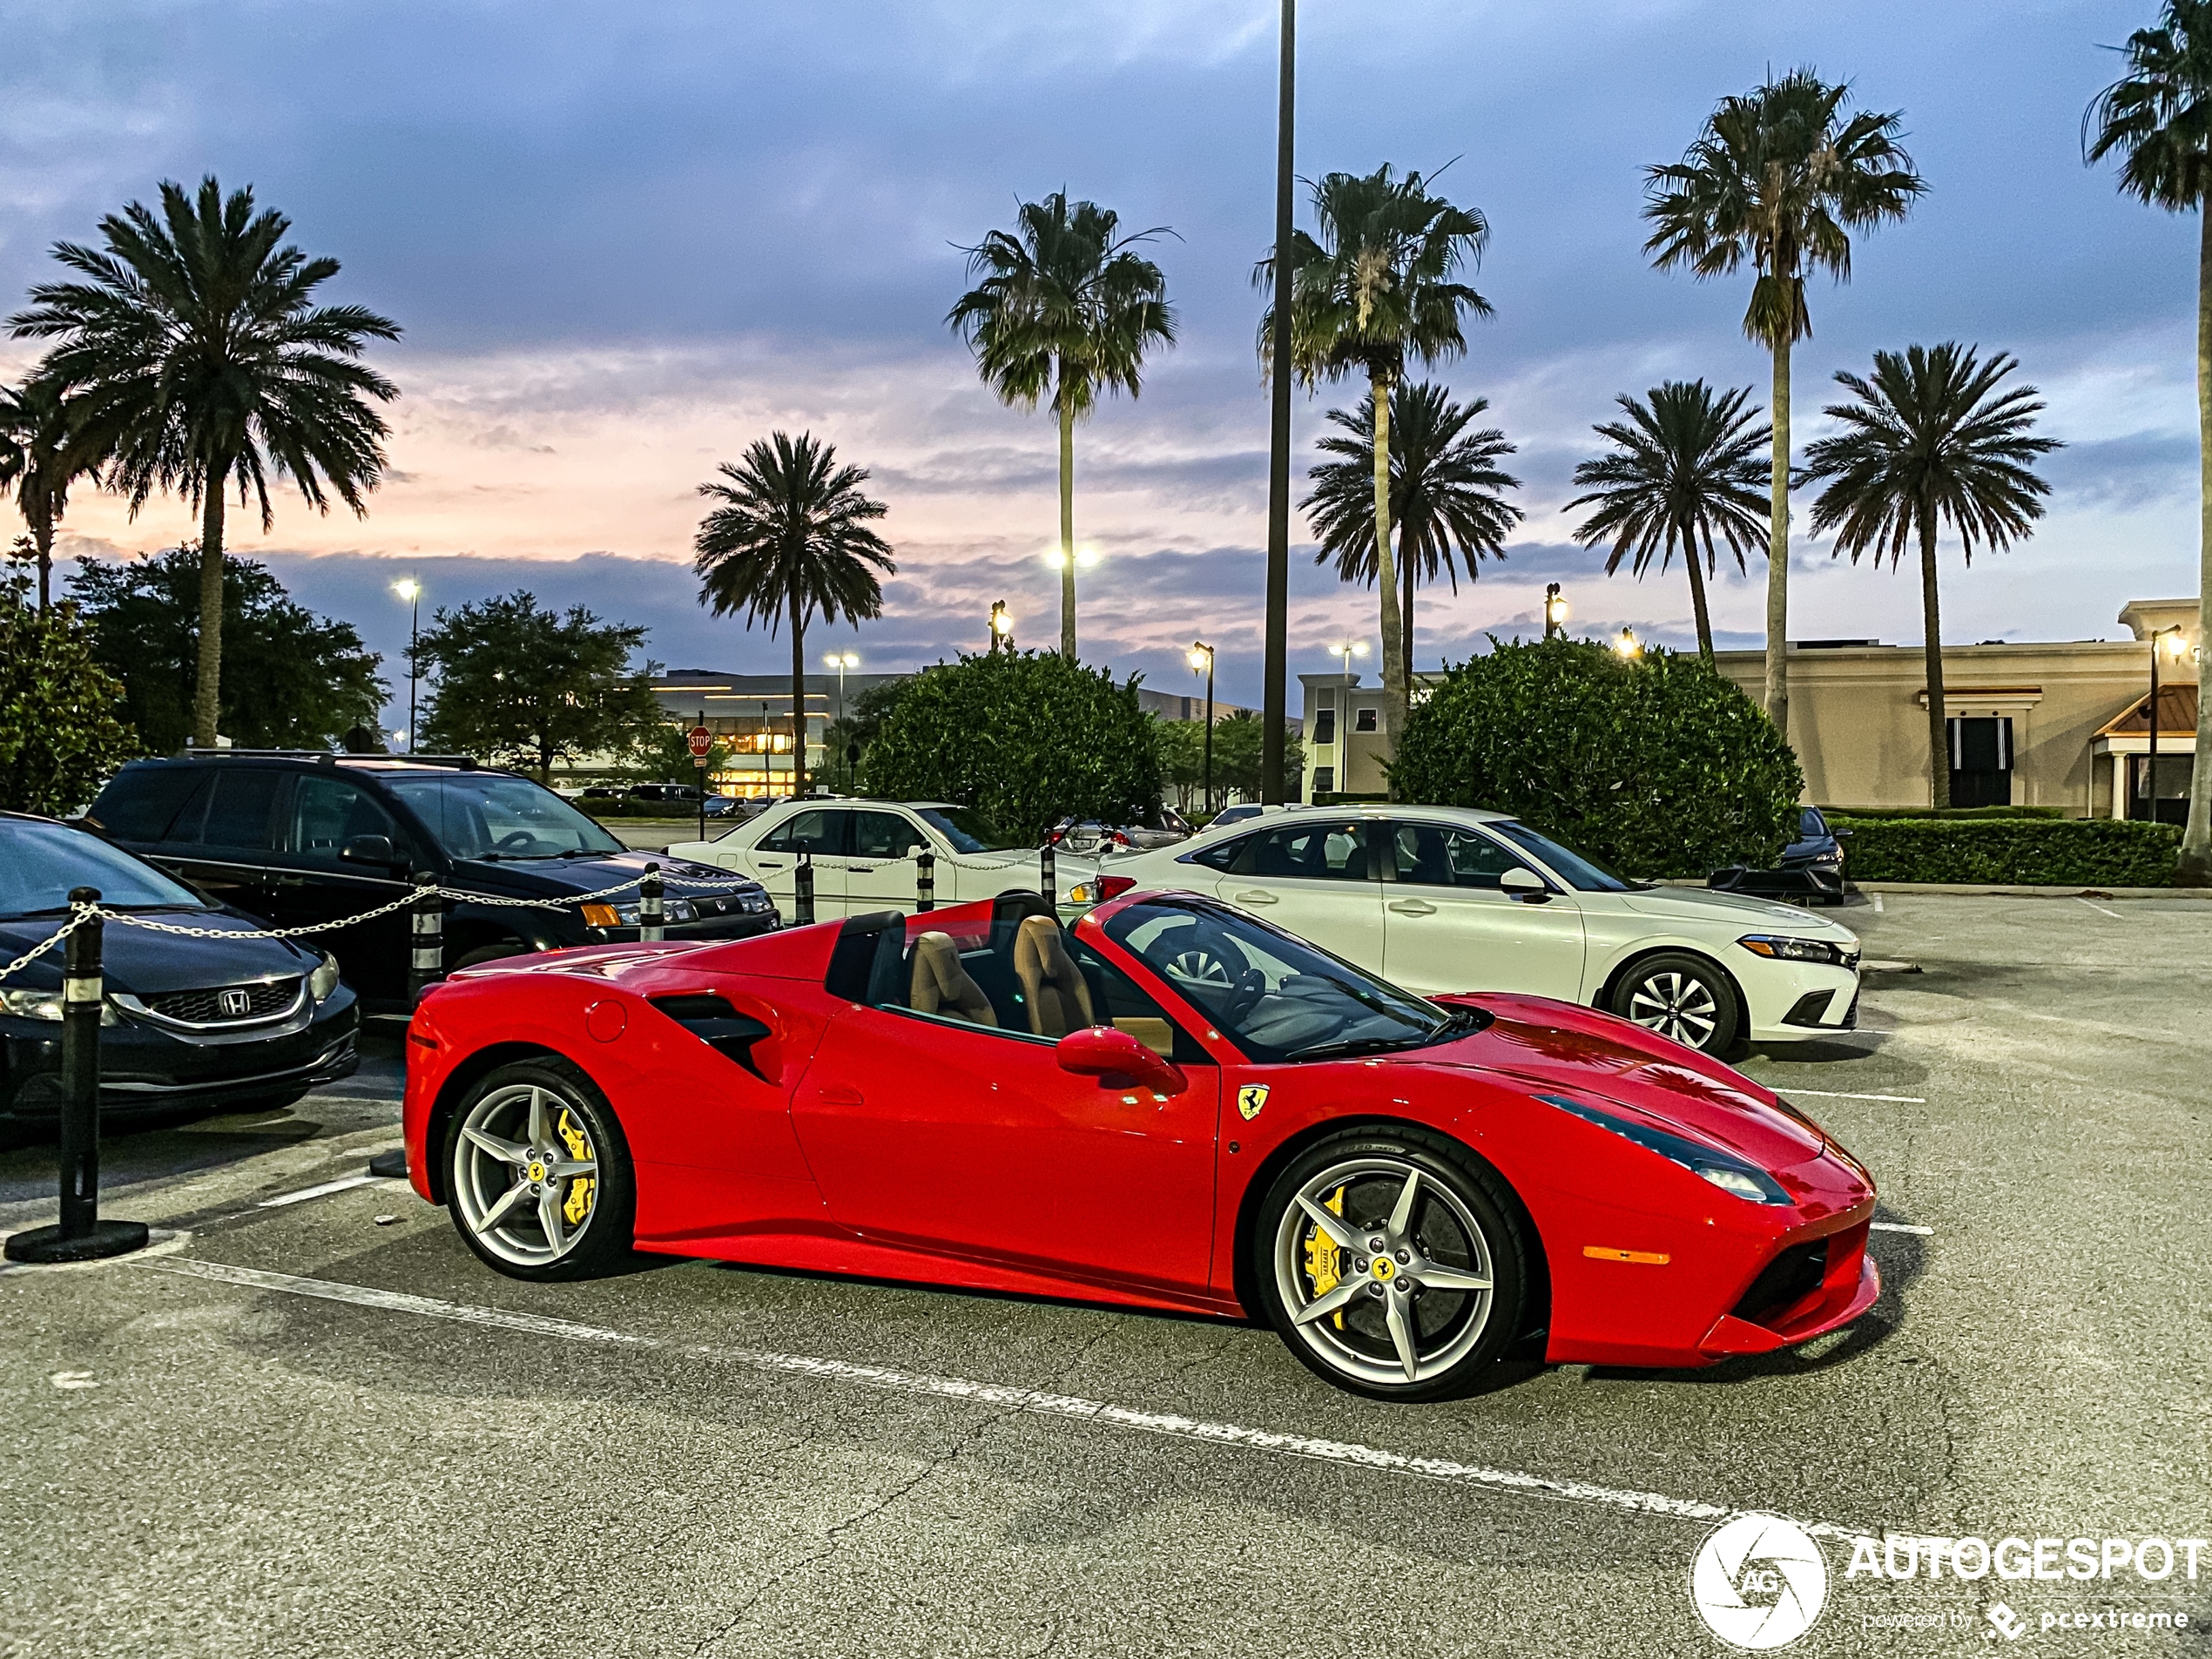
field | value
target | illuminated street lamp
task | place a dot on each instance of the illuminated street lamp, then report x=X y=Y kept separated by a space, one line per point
x=1344 y=653
x=1627 y=646
x=2177 y=645
x=411 y=590
x=1202 y=659
x=1555 y=611
x=1002 y=626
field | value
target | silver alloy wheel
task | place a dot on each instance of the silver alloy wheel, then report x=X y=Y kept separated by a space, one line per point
x=1384 y=1271
x=526 y=1174
x=1676 y=1005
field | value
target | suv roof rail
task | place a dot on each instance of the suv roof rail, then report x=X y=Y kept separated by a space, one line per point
x=327 y=757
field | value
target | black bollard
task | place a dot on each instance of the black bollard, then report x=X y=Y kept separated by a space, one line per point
x=650 y=919
x=81 y=1235
x=1049 y=874
x=802 y=892
x=925 y=880
x=427 y=966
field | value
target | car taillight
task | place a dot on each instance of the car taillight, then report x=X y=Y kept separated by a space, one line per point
x=1099 y=889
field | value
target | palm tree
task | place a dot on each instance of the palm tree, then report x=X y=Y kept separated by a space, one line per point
x=1686 y=466
x=791 y=538
x=44 y=449
x=1930 y=439
x=1444 y=491
x=202 y=361
x=1778 y=180
x=1064 y=306
x=1373 y=290
x=2159 y=120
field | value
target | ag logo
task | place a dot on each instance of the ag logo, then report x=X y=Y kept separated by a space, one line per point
x=1759 y=1581
x=1250 y=1099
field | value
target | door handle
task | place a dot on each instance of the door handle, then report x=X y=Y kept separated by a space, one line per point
x=1255 y=897
x=770 y=864
x=838 y=1095
x=1412 y=906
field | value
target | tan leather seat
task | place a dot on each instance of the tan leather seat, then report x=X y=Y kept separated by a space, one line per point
x=941 y=986
x=1052 y=986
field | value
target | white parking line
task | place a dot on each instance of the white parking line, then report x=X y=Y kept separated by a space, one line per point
x=1029 y=1400
x=2101 y=911
x=1877 y=898
x=1830 y=1093
x=1899 y=1227
x=344 y=1185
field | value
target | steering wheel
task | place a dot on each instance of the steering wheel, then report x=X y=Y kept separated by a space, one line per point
x=1252 y=985
x=515 y=840
x=1200 y=963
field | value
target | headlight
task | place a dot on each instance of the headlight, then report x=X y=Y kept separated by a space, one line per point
x=1729 y=1179
x=324 y=979
x=1781 y=947
x=632 y=915
x=45 y=1005
x=1724 y=1169
x=755 y=903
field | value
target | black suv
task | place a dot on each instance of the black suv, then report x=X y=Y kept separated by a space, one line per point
x=296 y=838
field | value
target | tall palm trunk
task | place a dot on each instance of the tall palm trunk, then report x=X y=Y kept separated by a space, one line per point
x=1931 y=620
x=1698 y=597
x=1067 y=524
x=1409 y=549
x=1778 y=552
x=42 y=531
x=207 y=701
x=798 y=693
x=2195 y=868
x=1393 y=642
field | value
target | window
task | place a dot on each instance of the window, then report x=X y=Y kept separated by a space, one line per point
x=1221 y=856
x=1313 y=849
x=819 y=832
x=326 y=812
x=1324 y=727
x=1811 y=825
x=490 y=814
x=239 y=815
x=1442 y=855
x=1363 y=720
x=1573 y=869
x=40 y=862
x=1324 y=779
x=139 y=803
x=966 y=830
x=883 y=835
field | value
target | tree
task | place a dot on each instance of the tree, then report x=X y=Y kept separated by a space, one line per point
x=1065 y=305
x=1445 y=490
x=1657 y=766
x=1778 y=180
x=202 y=361
x=296 y=680
x=45 y=447
x=1930 y=439
x=791 y=539
x=59 y=738
x=521 y=686
x=2158 y=119
x=1374 y=291
x=1025 y=738
x=664 y=755
x=1684 y=466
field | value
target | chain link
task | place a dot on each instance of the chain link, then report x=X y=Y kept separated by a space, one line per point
x=80 y=914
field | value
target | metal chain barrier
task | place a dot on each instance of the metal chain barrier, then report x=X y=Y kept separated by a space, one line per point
x=79 y=915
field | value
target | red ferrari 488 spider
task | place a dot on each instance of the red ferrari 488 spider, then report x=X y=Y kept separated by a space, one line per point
x=1167 y=1103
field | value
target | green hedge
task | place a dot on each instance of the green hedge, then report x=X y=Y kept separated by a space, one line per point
x=1946 y=812
x=2011 y=851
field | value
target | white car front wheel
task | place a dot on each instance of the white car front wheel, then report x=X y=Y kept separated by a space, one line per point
x=1681 y=996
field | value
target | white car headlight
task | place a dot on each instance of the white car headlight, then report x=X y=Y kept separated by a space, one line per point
x=1782 y=948
x=324 y=979
x=45 y=1005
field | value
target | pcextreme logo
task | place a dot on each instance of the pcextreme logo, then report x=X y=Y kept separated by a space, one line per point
x=1759 y=1582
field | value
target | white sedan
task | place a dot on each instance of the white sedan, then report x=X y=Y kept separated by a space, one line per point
x=1440 y=899
x=863 y=855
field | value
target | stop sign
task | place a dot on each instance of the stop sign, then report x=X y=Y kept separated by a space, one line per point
x=701 y=740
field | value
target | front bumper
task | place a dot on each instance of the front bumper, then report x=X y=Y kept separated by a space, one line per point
x=1849 y=1283
x=1791 y=1002
x=143 y=1068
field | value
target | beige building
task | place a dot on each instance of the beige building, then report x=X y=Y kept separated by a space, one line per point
x=2059 y=725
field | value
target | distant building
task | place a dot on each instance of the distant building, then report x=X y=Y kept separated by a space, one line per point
x=2062 y=724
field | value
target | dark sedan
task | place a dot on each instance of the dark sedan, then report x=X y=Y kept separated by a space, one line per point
x=188 y=1021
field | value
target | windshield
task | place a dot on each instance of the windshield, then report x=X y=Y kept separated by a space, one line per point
x=1275 y=997
x=966 y=829
x=1570 y=867
x=39 y=863
x=497 y=815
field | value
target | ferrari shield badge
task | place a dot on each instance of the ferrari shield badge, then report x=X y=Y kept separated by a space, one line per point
x=1250 y=1099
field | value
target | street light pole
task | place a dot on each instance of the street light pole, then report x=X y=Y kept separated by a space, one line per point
x=411 y=590
x=1274 y=695
x=2150 y=784
x=1202 y=651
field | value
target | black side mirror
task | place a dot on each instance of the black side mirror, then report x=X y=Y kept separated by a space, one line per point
x=369 y=849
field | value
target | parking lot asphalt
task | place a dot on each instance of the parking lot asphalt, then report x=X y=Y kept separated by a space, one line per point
x=319 y=1426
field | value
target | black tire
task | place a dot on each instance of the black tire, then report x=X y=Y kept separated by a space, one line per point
x=1682 y=996
x=493 y=952
x=1463 y=1224
x=594 y=1230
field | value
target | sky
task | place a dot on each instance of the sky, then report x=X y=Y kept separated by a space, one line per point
x=624 y=242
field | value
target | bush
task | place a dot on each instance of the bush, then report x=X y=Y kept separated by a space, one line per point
x=1025 y=738
x=1657 y=766
x=1946 y=812
x=59 y=738
x=2012 y=852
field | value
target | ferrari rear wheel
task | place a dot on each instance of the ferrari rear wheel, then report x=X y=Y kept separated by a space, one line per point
x=1680 y=996
x=538 y=1178
x=1389 y=1265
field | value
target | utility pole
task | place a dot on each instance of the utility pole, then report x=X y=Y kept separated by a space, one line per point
x=1274 y=695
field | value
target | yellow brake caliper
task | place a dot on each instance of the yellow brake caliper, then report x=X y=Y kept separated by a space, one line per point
x=1321 y=1256
x=579 y=1203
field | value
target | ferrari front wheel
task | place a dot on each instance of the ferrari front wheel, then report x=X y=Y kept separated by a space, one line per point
x=537 y=1175
x=1389 y=1265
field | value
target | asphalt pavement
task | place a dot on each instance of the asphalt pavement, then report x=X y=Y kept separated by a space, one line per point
x=310 y=1422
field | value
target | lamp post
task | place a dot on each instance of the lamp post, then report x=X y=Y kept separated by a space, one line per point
x=841 y=660
x=411 y=590
x=1201 y=657
x=1628 y=647
x=2151 y=767
x=1274 y=693
x=1555 y=611
x=1002 y=626
x=1344 y=653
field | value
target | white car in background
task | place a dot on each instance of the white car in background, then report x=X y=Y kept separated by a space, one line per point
x=1440 y=899
x=863 y=855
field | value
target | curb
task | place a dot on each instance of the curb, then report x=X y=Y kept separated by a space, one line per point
x=1970 y=889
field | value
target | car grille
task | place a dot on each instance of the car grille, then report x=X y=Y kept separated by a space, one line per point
x=1790 y=1277
x=262 y=1001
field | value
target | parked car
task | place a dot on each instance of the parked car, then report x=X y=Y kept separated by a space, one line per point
x=187 y=1023
x=662 y=796
x=299 y=838
x=1407 y=1191
x=595 y=797
x=862 y=852
x=1095 y=838
x=1244 y=810
x=1811 y=867
x=1441 y=899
